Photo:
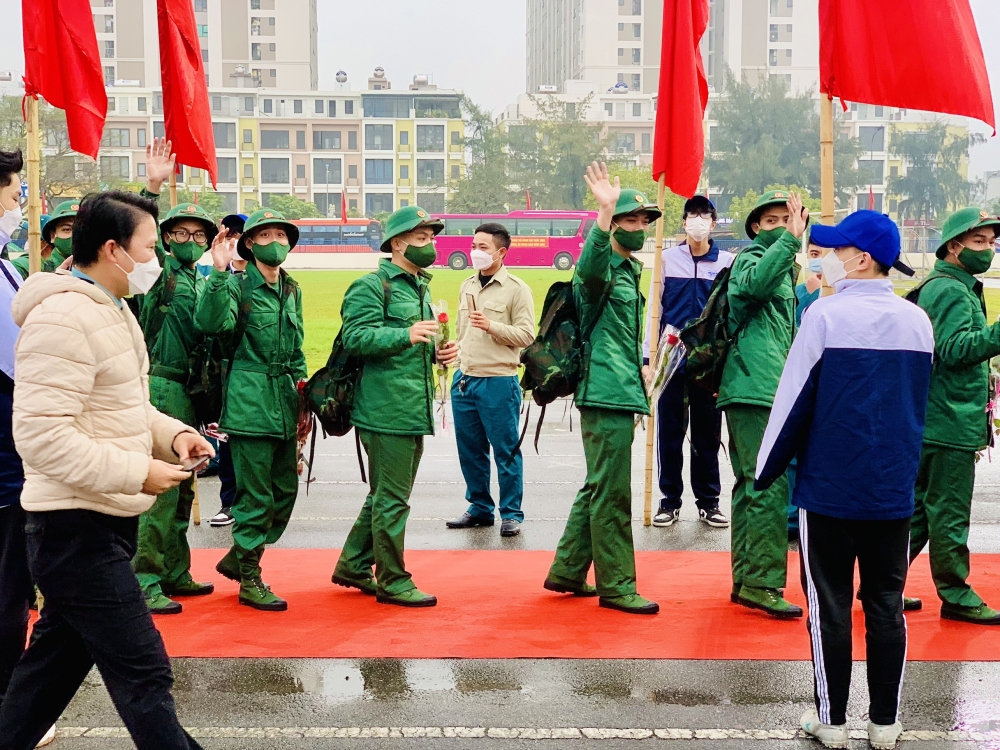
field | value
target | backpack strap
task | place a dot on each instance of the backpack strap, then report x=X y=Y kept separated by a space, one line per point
x=605 y=296
x=242 y=315
x=158 y=314
x=361 y=460
x=914 y=294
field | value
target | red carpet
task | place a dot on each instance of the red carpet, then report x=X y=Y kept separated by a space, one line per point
x=492 y=605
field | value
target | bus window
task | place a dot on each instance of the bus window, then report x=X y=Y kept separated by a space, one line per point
x=565 y=227
x=588 y=226
x=305 y=235
x=461 y=227
x=533 y=228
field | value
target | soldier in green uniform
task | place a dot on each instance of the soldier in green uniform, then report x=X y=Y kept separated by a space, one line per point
x=388 y=323
x=261 y=313
x=762 y=314
x=958 y=423
x=162 y=560
x=610 y=394
x=57 y=239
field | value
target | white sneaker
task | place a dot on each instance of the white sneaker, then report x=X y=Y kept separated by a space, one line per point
x=49 y=736
x=884 y=736
x=831 y=735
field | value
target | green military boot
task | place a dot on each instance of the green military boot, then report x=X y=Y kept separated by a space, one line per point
x=190 y=587
x=768 y=600
x=255 y=593
x=160 y=605
x=364 y=585
x=631 y=603
x=411 y=598
x=981 y=615
x=229 y=567
x=565 y=586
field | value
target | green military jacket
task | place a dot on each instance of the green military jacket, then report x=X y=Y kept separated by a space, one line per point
x=963 y=346
x=49 y=265
x=612 y=374
x=761 y=291
x=395 y=394
x=171 y=347
x=261 y=395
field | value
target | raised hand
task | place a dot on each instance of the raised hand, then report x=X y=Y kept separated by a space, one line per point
x=605 y=191
x=223 y=249
x=798 y=216
x=160 y=163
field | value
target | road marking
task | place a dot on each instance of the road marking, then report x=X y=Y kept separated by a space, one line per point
x=520 y=733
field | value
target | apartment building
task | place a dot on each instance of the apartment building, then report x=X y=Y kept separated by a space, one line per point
x=267 y=44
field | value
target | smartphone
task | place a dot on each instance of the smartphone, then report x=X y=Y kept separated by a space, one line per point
x=471 y=300
x=195 y=462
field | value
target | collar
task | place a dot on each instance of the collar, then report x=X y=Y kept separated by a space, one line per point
x=81 y=275
x=711 y=255
x=499 y=277
x=864 y=286
x=950 y=269
x=392 y=270
x=170 y=263
x=618 y=260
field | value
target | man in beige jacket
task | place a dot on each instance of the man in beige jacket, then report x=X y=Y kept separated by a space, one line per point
x=96 y=454
x=496 y=319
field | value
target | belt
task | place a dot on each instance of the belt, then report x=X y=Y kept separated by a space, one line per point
x=168 y=373
x=273 y=369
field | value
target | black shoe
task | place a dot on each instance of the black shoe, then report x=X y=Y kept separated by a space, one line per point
x=223 y=518
x=912 y=604
x=468 y=521
x=510 y=527
x=713 y=517
x=664 y=518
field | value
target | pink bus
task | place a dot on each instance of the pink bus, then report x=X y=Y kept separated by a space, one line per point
x=538 y=238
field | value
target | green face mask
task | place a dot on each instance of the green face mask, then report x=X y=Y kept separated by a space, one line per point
x=187 y=252
x=768 y=237
x=421 y=256
x=63 y=247
x=631 y=241
x=271 y=254
x=976 y=261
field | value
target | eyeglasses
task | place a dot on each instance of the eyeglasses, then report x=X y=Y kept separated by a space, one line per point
x=183 y=235
x=699 y=216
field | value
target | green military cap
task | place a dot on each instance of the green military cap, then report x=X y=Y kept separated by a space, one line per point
x=65 y=210
x=263 y=217
x=962 y=221
x=192 y=212
x=406 y=219
x=768 y=199
x=630 y=201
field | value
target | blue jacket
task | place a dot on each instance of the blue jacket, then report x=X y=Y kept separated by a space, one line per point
x=851 y=404
x=686 y=282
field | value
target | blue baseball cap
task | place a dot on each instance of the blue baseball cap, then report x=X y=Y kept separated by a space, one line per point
x=234 y=222
x=870 y=232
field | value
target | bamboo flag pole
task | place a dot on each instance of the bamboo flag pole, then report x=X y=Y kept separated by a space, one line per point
x=195 y=505
x=173 y=188
x=34 y=188
x=654 y=336
x=826 y=168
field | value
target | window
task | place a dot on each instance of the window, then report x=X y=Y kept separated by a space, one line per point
x=274 y=170
x=227 y=169
x=254 y=4
x=141 y=104
x=871 y=138
x=255 y=51
x=377 y=203
x=248 y=104
x=300 y=171
x=111 y=104
x=114 y=168
x=109 y=75
x=636 y=55
x=403 y=202
x=456 y=172
x=636 y=109
x=216 y=103
x=378 y=171
x=637 y=7
x=431 y=202
x=348 y=108
x=300 y=139
x=461 y=227
x=225 y=134
x=115 y=138
x=609 y=109
x=773 y=33
x=273 y=139
x=624 y=142
x=878 y=202
x=636 y=81
x=204 y=55
x=318 y=106
x=158 y=130
x=200 y=6
x=456 y=137
x=268 y=106
x=404 y=171
x=324 y=140
x=248 y=136
x=352 y=172
x=637 y=30
x=871 y=171
x=565 y=227
x=332 y=108
x=140 y=137
x=203 y=30
x=248 y=171
x=430 y=172
x=404 y=137
x=140 y=170
x=645 y=143
x=430 y=137
x=533 y=228
x=328 y=205
x=109 y=49
x=352 y=140
x=195 y=173
x=894 y=172
x=297 y=106
x=387 y=106
x=378 y=137
x=109 y=24
x=326 y=172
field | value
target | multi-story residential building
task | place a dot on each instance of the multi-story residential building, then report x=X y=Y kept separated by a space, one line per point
x=244 y=43
x=384 y=148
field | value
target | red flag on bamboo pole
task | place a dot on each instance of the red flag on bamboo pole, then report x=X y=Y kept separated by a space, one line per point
x=187 y=119
x=921 y=54
x=679 y=136
x=343 y=206
x=63 y=66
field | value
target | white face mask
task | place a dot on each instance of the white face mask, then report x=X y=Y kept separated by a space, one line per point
x=698 y=228
x=481 y=260
x=10 y=220
x=143 y=275
x=833 y=267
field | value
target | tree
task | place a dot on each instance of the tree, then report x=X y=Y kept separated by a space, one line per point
x=932 y=184
x=486 y=187
x=740 y=207
x=640 y=178
x=766 y=136
x=293 y=208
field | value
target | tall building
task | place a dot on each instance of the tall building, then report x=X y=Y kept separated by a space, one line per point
x=244 y=43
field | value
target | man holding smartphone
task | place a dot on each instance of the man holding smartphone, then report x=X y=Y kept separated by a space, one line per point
x=496 y=320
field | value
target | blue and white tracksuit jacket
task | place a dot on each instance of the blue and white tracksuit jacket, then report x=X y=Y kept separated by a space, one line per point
x=685 y=284
x=851 y=404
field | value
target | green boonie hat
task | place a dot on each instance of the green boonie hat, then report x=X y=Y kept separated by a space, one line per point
x=65 y=210
x=963 y=221
x=188 y=211
x=262 y=217
x=770 y=198
x=631 y=201
x=407 y=219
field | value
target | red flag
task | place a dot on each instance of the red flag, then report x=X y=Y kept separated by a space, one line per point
x=62 y=64
x=187 y=119
x=679 y=136
x=871 y=199
x=921 y=54
x=343 y=206
x=527 y=199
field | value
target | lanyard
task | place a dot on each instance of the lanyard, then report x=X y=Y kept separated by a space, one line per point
x=3 y=267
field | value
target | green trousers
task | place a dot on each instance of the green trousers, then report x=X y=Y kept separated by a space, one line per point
x=378 y=536
x=267 y=481
x=759 y=519
x=162 y=555
x=599 y=528
x=942 y=506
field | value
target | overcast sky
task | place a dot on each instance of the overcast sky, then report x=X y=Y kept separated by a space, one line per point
x=476 y=46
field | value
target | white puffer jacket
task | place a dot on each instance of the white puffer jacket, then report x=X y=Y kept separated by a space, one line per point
x=83 y=423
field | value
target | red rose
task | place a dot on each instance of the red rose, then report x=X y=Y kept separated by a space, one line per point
x=442 y=317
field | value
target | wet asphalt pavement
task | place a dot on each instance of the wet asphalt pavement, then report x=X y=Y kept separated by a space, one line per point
x=383 y=703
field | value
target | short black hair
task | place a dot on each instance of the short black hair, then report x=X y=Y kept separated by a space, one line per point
x=113 y=215
x=11 y=164
x=882 y=267
x=699 y=204
x=500 y=234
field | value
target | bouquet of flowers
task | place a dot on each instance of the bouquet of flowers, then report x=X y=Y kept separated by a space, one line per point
x=670 y=356
x=443 y=337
